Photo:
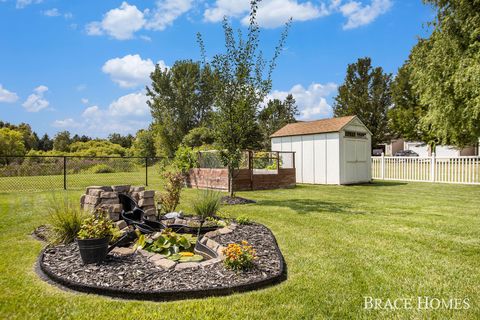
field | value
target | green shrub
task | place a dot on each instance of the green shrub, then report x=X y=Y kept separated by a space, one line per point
x=97 y=226
x=65 y=219
x=243 y=220
x=101 y=168
x=170 y=197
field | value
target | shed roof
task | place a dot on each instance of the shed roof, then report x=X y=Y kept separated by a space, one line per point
x=312 y=127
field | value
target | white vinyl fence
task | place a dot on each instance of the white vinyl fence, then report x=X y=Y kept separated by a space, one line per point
x=464 y=170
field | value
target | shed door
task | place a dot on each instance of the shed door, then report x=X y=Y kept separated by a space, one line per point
x=355 y=160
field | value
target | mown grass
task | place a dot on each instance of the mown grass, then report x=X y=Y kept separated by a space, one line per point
x=341 y=243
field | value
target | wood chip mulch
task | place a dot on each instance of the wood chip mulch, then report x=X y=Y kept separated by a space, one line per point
x=236 y=200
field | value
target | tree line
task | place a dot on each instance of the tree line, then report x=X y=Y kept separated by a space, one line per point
x=435 y=95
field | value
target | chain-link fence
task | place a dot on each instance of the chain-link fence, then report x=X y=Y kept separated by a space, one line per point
x=41 y=173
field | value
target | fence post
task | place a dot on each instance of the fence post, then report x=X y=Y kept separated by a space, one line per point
x=64 y=173
x=432 y=167
x=146 y=171
x=382 y=167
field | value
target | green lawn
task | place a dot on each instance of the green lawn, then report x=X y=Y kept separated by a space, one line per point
x=341 y=243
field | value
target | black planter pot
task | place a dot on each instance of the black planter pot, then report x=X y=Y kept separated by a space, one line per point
x=93 y=250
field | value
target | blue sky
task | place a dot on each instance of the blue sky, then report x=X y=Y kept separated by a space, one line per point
x=83 y=65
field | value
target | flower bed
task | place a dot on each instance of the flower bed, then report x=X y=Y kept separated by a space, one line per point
x=140 y=276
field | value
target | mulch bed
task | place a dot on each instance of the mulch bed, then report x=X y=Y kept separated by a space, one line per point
x=236 y=200
x=135 y=277
x=41 y=233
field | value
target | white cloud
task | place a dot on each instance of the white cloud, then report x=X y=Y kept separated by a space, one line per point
x=54 y=12
x=127 y=114
x=66 y=123
x=36 y=101
x=311 y=101
x=20 y=4
x=120 y=23
x=7 y=96
x=131 y=70
x=133 y=104
x=274 y=13
x=166 y=12
x=358 y=15
x=84 y=100
x=229 y=8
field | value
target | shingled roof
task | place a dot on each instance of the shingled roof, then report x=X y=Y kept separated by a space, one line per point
x=312 y=127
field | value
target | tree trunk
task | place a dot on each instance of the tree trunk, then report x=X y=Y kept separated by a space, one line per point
x=230 y=182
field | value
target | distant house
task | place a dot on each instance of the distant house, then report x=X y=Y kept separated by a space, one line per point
x=327 y=151
x=423 y=149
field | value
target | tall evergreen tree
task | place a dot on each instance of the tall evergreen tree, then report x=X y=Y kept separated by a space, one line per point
x=274 y=116
x=366 y=94
x=45 y=143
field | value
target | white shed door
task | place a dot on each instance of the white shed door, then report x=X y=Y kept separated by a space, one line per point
x=355 y=160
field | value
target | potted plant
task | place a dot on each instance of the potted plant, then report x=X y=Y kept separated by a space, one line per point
x=94 y=236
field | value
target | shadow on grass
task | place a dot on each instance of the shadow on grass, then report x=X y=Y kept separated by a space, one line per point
x=304 y=206
x=381 y=183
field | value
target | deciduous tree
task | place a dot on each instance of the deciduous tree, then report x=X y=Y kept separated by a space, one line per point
x=242 y=85
x=446 y=72
x=180 y=99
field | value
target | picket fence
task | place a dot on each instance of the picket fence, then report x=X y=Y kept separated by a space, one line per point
x=461 y=170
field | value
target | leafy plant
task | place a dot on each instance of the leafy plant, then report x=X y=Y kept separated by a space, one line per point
x=97 y=226
x=239 y=256
x=243 y=220
x=170 y=197
x=65 y=219
x=168 y=243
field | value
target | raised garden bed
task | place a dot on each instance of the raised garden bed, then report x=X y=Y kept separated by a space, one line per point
x=139 y=276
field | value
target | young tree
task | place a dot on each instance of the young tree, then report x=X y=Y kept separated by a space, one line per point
x=366 y=94
x=61 y=141
x=242 y=85
x=180 y=99
x=143 y=145
x=446 y=72
x=276 y=115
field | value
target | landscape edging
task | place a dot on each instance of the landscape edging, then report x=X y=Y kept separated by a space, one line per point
x=167 y=295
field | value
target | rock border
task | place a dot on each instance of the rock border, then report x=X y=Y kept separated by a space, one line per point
x=165 y=295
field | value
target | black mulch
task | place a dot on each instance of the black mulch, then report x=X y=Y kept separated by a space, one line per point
x=236 y=200
x=41 y=233
x=136 y=273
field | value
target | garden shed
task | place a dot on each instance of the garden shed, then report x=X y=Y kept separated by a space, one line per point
x=327 y=151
